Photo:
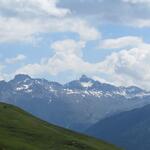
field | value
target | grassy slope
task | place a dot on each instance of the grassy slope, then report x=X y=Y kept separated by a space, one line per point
x=21 y=131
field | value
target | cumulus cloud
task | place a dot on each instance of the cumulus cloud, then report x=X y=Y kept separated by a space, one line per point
x=124 y=68
x=67 y=57
x=129 y=67
x=13 y=29
x=68 y=47
x=121 y=42
x=27 y=20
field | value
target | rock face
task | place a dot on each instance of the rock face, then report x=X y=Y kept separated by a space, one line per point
x=75 y=105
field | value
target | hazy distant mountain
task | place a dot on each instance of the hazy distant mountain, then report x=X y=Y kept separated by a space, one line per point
x=76 y=105
x=130 y=130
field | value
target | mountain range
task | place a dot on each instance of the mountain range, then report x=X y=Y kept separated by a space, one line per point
x=75 y=105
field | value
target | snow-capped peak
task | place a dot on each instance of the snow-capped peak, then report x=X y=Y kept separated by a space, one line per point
x=84 y=86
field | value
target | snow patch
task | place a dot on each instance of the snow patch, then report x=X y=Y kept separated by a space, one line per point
x=86 y=84
x=23 y=87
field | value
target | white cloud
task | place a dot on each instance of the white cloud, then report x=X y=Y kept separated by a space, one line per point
x=67 y=56
x=14 y=29
x=32 y=69
x=75 y=25
x=68 y=47
x=121 y=42
x=26 y=20
x=129 y=67
x=32 y=8
x=18 y=58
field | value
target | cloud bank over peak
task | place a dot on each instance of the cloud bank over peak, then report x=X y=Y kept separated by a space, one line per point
x=127 y=67
x=105 y=39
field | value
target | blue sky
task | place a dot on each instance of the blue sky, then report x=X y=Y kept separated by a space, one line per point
x=60 y=40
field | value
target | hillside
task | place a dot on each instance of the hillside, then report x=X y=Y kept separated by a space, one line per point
x=21 y=131
x=130 y=130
